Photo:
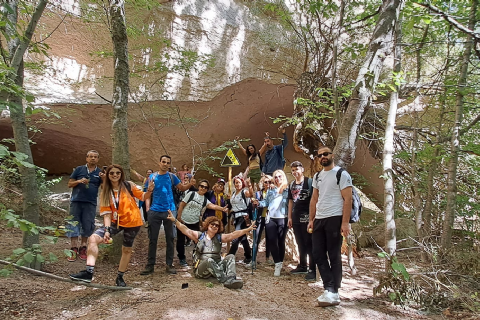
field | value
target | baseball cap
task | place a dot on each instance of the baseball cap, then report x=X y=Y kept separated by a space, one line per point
x=221 y=180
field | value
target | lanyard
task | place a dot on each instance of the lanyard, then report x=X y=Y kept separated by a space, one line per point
x=116 y=200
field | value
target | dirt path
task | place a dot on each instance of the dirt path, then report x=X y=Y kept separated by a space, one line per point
x=159 y=296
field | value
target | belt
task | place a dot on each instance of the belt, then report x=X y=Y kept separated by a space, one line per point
x=241 y=213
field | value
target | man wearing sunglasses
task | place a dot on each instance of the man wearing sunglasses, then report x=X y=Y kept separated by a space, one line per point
x=330 y=208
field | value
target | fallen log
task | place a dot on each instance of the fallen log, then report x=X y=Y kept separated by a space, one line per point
x=52 y=276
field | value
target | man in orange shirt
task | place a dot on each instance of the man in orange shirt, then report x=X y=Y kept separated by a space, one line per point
x=120 y=213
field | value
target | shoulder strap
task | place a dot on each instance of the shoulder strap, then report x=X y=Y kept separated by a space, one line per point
x=171 y=179
x=128 y=186
x=204 y=202
x=219 y=237
x=244 y=197
x=201 y=236
x=291 y=184
x=339 y=175
x=190 y=198
x=310 y=181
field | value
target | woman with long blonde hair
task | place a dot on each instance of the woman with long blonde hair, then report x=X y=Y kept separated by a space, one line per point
x=276 y=221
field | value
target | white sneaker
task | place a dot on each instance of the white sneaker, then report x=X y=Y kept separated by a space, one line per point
x=278 y=269
x=328 y=299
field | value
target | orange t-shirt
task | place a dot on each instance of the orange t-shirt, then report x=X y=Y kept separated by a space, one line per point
x=128 y=214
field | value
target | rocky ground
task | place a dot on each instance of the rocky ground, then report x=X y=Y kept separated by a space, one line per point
x=160 y=296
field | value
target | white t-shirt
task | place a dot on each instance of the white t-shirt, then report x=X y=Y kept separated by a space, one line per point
x=238 y=204
x=330 y=200
x=193 y=210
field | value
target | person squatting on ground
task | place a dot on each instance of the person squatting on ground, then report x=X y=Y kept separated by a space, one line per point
x=265 y=184
x=85 y=181
x=299 y=195
x=330 y=209
x=158 y=206
x=276 y=220
x=254 y=160
x=217 y=196
x=190 y=212
x=120 y=213
x=274 y=159
x=208 y=261
x=142 y=204
x=239 y=202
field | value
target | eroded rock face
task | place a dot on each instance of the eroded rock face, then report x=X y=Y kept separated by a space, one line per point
x=233 y=42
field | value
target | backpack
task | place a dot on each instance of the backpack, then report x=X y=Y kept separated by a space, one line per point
x=356 y=202
x=196 y=254
x=190 y=198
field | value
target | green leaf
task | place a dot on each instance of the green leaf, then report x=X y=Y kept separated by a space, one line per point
x=52 y=257
x=19 y=155
x=19 y=251
x=392 y=296
x=5 y=272
x=382 y=254
x=4 y=151
x=27 y=164
x=21 y=262
x=40 y=258
x=68 y=252
x=28 y=257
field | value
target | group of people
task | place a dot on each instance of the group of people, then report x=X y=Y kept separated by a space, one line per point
x=317 y=209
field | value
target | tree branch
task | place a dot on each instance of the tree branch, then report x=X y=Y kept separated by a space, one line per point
x=52 y=276
x=450 y=20
x=22 y=47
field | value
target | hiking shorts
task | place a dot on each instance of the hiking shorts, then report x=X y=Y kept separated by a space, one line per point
x=129 y=234
x=83 y=219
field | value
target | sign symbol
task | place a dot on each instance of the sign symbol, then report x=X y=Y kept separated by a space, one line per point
x=230 y=160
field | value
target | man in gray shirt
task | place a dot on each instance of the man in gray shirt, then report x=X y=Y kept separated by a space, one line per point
x=330 y=209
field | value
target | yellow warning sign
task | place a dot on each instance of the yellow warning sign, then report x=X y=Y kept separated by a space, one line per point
x=230 y=160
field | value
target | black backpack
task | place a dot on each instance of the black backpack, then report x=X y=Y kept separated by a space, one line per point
x=356 y=202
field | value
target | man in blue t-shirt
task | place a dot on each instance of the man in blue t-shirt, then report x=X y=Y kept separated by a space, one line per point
x=85 y=181
x=158 y=205
x=274 y=159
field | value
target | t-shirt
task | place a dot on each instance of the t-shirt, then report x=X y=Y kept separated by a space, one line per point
x=330 y=200
x=300 y=194
x=162 y=196
x=82 y=193
x=127 y=214
x=194 y=209
x=238 y=204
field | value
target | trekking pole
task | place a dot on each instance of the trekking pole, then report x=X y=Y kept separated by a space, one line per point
x=254 y=253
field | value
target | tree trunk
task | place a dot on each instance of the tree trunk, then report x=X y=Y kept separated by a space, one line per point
x=378 y=49
x=16 y=48
x=455 y=142
x=388 y=151
x=120 y=152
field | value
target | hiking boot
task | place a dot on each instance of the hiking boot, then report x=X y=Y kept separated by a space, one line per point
x=148 y=270
x=278 y=269
x=83 y=253
x=233 y=283
x=311 y=276
x=328 y=299
x=247 y=260
x=183 y=263
x=83 y=275
x=171 y=269
x=120 y=282
x=299 y=270
x=73 y=257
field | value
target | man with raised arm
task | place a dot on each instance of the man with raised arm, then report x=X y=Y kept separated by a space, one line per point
x=274 y=159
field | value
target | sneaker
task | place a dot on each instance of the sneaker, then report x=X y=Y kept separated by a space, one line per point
x=233 y=283
x=120 y=282
x=299 y=270
x=73 y=257
x=83 y=275
x=247 y=260
x=328 y=299
x=278 y=269
x=171 y=269
x=148 y=270
x=311 y=276
x=83 y=253
x=183 y=263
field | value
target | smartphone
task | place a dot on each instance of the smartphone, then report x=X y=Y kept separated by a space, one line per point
x=104 y=168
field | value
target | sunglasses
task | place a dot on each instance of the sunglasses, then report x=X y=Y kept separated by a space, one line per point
x=203 y=186
x=267 y=182
x=215 y=225
x=111 y=173
x=325 y=154
x=278 y=177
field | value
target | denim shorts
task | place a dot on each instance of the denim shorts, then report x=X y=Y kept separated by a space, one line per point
x=83 y=219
